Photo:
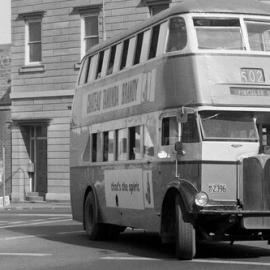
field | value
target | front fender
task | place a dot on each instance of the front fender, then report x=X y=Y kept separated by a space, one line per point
x=187 y=191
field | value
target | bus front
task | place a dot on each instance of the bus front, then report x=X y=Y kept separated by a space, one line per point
x=232 y=62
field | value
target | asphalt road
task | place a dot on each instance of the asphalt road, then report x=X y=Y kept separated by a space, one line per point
x=51 y=240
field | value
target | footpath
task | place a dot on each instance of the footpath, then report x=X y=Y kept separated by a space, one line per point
x=38 y=206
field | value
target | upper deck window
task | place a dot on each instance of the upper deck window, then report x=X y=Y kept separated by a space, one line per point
x=228 y=126
x=124 y=54
x=154 y=42
x=258 y=35
x=111 y=60
x=138 y=49
x=100 y=62
x=177 y=39
x=215 y=33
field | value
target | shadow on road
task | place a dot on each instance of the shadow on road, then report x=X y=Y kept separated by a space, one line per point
x=139 y=243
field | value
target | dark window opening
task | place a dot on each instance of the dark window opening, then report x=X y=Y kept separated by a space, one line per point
x=100 y=61
x=111 y=60
x=154 y=42
x=94 y=147
x=124 y=54
x=138 y=48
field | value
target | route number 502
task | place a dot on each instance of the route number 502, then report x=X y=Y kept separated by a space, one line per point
x=252 y=75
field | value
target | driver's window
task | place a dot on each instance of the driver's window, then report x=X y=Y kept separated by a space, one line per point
x=169 y=133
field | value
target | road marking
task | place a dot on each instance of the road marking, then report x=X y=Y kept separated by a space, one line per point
x=231 y=262
x=20 y=237
x=37 y=215
x=35 y=223
x=191 y=261
x=73 y=232
x=26 y=254
x=130 y=258
x=16 y=222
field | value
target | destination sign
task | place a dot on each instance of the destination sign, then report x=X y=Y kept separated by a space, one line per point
x=239 y=91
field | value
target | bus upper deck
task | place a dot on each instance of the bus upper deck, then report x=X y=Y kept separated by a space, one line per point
x=195 y=57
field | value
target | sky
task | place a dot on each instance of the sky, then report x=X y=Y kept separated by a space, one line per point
x=5 y=25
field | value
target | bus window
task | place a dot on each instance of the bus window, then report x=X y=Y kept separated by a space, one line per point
x=177 y=39
x=108 y=145
x=169 y=133
x=145 y=45
x=84 y=71
x=131 y=51
x=124 y=54
x=162 y=38
x=111 y=60
x=149 y=141
x=222 y=34
x=86 y=153
x=190 y=133
x=154 y=42
x=105 y=145
x=117 y=60
x=100 y=61
x=111 y=146
x=138 y=49
x=105 y=63
x=94 y=147
x=93 y=68
x=122 y=144
x=135 y=143
x=228 y=126
x=258 y=35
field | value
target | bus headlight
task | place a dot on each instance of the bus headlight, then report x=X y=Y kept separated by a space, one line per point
x=201 y=199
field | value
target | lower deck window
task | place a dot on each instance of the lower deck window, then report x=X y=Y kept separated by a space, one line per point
x=135 y=142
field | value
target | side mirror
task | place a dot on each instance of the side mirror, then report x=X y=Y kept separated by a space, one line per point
x=182 y=116
x=179 y=148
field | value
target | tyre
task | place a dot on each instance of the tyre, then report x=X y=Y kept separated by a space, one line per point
x=184 y=234
x=94 y=230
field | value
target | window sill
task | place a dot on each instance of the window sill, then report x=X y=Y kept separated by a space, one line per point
x=32 y=69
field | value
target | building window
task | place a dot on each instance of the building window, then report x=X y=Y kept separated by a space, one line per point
x=33 y=48
x=89 y=32
x=155 y=9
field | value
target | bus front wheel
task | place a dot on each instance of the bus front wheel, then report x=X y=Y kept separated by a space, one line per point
x=185 y=234
x=92 y=227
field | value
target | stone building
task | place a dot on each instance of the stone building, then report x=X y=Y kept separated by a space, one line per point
x=5 y=134
x=48 y=40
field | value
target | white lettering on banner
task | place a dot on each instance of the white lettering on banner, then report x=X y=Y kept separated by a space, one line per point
x=130 y=188
x=136 y=90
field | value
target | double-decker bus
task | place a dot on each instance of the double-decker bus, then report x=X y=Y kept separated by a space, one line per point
x=170 y=127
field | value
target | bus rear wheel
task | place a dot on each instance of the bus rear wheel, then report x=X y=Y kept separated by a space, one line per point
x=94 y=230
x=184 y=234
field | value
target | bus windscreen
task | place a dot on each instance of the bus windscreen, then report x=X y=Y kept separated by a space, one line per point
x=222 y=34
x=228 y=126
x=258 y=35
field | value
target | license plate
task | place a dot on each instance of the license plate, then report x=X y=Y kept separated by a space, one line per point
x=252 y=75
x=217 y=188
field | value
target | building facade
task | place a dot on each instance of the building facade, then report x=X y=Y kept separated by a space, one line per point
x=5 y=122
x=48 y=40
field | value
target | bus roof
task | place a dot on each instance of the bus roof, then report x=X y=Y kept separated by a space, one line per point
x=252 y=7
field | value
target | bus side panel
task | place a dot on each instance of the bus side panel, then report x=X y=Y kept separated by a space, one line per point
x=77 y=188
